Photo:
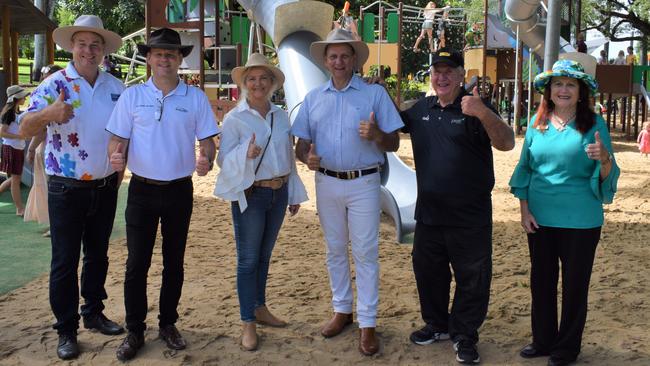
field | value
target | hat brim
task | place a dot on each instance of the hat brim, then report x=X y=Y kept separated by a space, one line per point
x=143 y=49
x=238 y=72
x=445 y=61
x=541 y=81
x=63 y=37
x=361 y=51
x=18 y=95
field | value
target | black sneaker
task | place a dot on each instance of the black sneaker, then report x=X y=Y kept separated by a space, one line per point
x=428 y=335
x=466 y=352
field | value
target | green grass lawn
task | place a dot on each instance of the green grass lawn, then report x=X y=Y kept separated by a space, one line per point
x=25 y=252
x=23 y=69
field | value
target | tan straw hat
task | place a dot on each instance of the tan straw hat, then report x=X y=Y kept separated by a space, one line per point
x=16 y=92
x=335 y=36
x=87 y=23
x=258 y=60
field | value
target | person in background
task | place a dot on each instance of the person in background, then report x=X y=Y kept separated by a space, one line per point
x=566 y=172
x=620 y=60
x=603 y=58
x=581 y=45
x=36 y=208
x=643 y=140
x=631 y=59
x=13 y=145
x=347 y=22
x=429 y=12
x=258 y=174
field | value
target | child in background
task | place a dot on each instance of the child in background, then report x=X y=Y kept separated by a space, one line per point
x=36 y=208
x=644 y=139
x=13 y=145
x=347 y=22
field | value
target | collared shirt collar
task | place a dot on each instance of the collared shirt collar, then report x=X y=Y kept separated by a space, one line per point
x=181 y=88
x=433 y=102
x=72 y=73
x=244 y=106
x=353 y=83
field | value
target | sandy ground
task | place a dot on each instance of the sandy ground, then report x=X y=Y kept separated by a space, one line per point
x=298 y=291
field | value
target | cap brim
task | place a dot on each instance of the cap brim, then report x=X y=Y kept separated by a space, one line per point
x=143 y=49
x=445 y=61
x=361 y=51
x=63 y=37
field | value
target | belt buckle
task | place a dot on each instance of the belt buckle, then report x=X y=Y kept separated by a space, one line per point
x=104 y=183
x=276 y=183
x=349 y=174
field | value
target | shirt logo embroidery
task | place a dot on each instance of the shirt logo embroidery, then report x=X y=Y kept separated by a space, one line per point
x=425 y=118
x=181 y=109
x=457 y=121
x=115 y=97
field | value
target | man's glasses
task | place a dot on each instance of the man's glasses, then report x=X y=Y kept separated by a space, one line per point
x=159 y=110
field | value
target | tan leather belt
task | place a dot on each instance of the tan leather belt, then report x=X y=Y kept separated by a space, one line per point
x=275 y=183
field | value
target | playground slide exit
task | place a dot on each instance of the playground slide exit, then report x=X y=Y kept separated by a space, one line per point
x=523 y=14
x=293 y=26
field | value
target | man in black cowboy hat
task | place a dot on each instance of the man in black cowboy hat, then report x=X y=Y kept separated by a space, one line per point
x=452 y=135
x=155 y=126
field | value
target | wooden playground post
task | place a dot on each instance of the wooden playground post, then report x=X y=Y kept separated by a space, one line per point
x=609 y=111
x=6 y=19
x=381 y=37
x=14 y=57
x=398 y=93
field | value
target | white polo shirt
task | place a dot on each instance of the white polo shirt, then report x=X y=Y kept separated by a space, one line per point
x=77 y=149
x=162 y=130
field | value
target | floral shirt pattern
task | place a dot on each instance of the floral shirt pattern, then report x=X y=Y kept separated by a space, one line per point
x=78 y=149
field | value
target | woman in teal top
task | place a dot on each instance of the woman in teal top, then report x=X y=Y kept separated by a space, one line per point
x=565 y=173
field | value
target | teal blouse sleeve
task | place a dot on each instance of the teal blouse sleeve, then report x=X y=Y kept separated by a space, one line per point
x=606 y=189
x=520 y=179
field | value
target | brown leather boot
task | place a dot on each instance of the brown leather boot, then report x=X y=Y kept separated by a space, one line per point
x=264 y=317
x=368 y=341
x=336 y=325
x=249 y=336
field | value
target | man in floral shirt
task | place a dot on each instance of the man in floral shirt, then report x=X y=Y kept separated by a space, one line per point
x=74 y=105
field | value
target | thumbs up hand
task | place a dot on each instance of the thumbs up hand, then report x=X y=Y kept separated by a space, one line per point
x=472 y=105
x=368 y=130
x=313 y=160
x=597 y=151
x=253 y=150
x=202 y=163
x=118 y=162
x=60 y=111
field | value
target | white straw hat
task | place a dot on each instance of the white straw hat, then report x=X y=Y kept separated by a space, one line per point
x=337 y=36
x=87 y=23
x=258 y=60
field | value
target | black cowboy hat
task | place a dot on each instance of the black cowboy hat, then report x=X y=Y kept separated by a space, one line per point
x=167 y=39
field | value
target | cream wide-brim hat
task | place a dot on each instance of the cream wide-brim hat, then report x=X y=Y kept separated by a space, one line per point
x=258 y=60
x=338 y=36
x=87 y=23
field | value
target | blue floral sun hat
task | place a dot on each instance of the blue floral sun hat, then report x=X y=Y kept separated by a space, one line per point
x=568 y=68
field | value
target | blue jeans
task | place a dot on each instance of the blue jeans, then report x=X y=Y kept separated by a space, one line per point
x=256 y=230
x=79 y=215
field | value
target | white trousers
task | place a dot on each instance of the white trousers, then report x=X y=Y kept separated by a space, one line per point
x=349 y=212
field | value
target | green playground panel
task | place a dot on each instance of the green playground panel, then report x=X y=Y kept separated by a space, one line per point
x=222 y=8
x=637 y=75
x=368 y=28
x=175 y=11
x=392 y=35
x=240 y=30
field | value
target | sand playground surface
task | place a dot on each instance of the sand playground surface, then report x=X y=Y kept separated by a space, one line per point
x=617 y=331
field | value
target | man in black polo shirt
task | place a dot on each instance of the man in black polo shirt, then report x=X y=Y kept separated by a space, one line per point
x=452 y=135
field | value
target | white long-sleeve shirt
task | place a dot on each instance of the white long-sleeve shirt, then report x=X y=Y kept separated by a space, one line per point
x=238 y=172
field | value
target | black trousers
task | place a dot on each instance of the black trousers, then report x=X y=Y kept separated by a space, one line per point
x=79 y=215
x=469 y=252
x=575 y=249
x=147 y=204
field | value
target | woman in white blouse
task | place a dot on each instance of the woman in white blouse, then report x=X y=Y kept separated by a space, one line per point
x=258 y=174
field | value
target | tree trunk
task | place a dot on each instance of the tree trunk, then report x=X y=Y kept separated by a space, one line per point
x=40 y=47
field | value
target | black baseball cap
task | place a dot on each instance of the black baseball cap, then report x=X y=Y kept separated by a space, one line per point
x=449 y=57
